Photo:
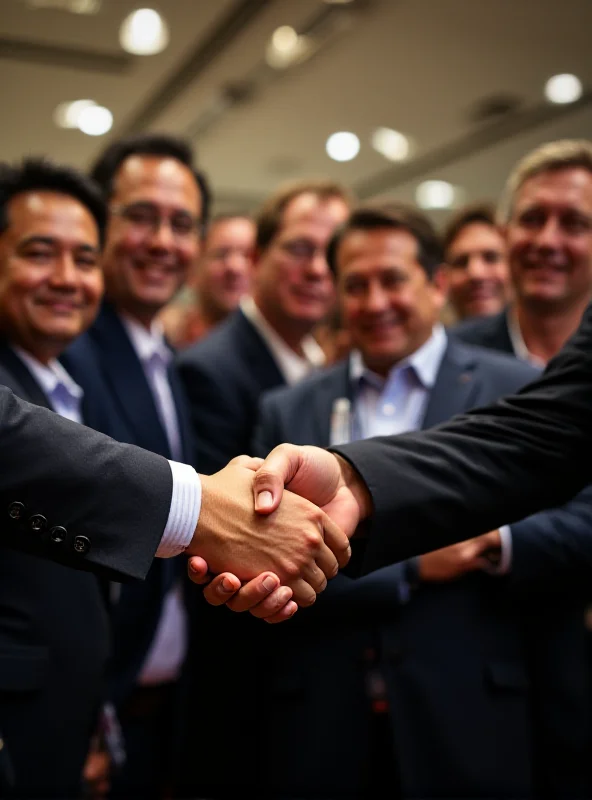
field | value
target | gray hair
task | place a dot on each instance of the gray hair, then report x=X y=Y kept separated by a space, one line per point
x=549 y=157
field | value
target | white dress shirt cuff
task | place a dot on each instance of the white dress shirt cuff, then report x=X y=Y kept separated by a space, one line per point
x=184 y=511
x=505 y=562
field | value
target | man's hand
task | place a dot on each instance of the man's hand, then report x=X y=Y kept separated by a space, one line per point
x=453 y=562
x=299 y=543
x=263 y=596
x=326 y=479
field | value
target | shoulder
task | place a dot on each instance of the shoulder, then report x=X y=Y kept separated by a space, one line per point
x=301 y=394
x=501 y=366
x=481 y=330
x=7 y=379
x=221 y=343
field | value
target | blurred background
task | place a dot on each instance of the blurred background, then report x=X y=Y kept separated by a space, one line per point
x=433 y=100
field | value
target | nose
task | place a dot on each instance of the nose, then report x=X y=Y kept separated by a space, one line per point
x=236 y=262
x=161 y=236
x=64 y=274
x=317 y=267
x=548 y=235
x=476 y=268
x=377 y=299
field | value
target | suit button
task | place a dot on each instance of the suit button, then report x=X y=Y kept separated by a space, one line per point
x=16 y=510
x=81 y=544
x=37 y=523
x=57 y=534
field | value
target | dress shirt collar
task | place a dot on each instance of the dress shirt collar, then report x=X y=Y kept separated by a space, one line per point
x=147 y=343
x=292 y=366
x=425 y=361
x=50 y=375
x=519 y=347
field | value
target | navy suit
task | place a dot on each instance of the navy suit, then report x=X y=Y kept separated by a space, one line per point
x=49 y=699
x=457 y=669
x=105 y=356
x=224 y=376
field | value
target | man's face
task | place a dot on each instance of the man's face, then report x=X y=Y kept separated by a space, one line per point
x=153 y=233
x=224 y=269
x=388 y=303
x=51 y=282
x=477 y=271
x=292 y=277
x=549 y=238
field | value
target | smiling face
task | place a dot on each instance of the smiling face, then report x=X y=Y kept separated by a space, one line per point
x=388 y=303
x=477 y=271
x=549 y=239
x=152 y=235
x=293 y=284
x=50 y=276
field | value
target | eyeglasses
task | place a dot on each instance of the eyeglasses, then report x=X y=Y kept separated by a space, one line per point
x=147 y=217
x=302 y=249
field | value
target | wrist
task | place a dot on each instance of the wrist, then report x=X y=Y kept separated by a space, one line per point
x=355 y=483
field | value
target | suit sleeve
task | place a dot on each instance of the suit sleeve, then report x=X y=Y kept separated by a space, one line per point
x=493 y=466
x=108 y=501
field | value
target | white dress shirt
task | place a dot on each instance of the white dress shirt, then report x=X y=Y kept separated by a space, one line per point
x=397 y=404
x=519 y=347
x=62 y=391
x=169 y=646
x=292 y=366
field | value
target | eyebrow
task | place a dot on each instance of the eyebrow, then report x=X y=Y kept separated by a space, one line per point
x=51 y=242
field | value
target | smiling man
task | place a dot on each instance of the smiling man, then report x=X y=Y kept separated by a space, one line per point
x=157 y=203
x=548 y=227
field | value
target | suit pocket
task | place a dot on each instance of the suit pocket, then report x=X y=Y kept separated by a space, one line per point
x=505 y=675
x=23 y=668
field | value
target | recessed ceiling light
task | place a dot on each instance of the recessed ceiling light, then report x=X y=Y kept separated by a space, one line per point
x=391 y=144
x=342 y=146
x=286 y=48
x=563 y=88
x=284 y=38
x=435 y=194
x=95 y=120
x=67 y=115
x=144 y=32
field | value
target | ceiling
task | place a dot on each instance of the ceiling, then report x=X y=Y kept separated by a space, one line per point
x=428 y=68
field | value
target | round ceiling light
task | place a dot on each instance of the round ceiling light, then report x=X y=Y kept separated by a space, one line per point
x=67 y=115
x=144 y=32
x=342 y=146
x=95 y=120
x=435 y=194
x=391 y=144
x=563 y=88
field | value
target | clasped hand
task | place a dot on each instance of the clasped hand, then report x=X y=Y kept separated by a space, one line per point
x=276 y=530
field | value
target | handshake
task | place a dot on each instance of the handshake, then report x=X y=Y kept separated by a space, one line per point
x=273 y=532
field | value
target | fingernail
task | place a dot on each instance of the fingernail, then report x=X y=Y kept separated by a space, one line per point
x=284 y=595
x=264 y=499
x=192 y=566
x=269 y=583
x=227 y=585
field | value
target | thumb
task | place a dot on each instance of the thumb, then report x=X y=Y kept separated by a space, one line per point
x=197 y=569
x=276 y=471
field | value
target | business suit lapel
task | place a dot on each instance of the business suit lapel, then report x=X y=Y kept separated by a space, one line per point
x=455 y=389
x=12 y=363
x=261 y=362
x=183 y=415
x=125 y=376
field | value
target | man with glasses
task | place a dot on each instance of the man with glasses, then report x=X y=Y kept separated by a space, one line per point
x=157 y=206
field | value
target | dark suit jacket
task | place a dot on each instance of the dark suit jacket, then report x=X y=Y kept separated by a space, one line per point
x=224 y=375
x=104 y=360
x=555 y=549
x=49 y=693
x=454 y=660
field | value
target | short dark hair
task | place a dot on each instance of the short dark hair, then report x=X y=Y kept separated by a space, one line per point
x=483 y=213
x=269 y=218
x=395 y=217
x=106 y=167
x=40 y=174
